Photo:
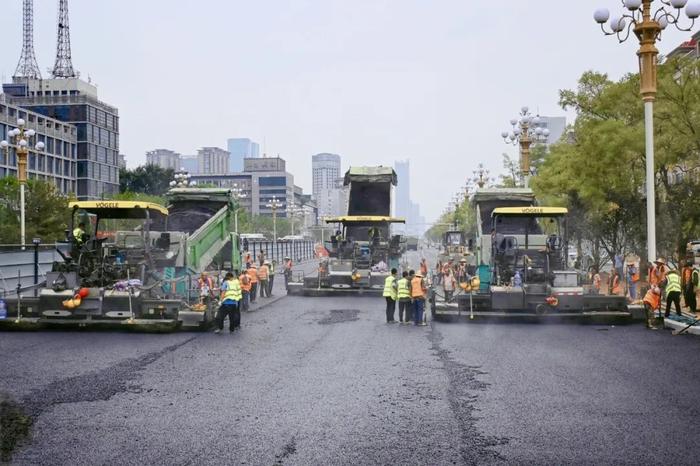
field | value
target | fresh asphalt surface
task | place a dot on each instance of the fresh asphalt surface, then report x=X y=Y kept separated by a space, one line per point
x=325 y=381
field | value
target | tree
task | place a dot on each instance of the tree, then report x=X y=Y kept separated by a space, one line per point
x=146 y=179
x=46 y=211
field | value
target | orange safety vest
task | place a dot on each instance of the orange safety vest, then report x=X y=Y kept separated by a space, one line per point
x=652 y=299
x=246 y=284
x=616 y=288
x=253 y=272
x=263 y=272
x=417 y=291
x=423 y=269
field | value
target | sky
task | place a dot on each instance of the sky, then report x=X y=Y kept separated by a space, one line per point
x=431 y=81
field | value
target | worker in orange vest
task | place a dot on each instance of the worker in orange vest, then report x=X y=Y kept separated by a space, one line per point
x=246 y=285
x=264 y=279
x=658 y=272
x=652 y=302
x=418 y=294
x=423 y=268
x=287 y=271
x=253 y=274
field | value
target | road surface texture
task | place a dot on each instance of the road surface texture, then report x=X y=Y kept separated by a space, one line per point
x=324 y=381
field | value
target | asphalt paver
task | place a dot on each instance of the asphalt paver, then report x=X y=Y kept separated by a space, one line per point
x=327 y=381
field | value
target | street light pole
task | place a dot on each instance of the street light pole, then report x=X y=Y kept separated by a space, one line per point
x=21 y=137
x=274 y=204
x=647 y=27
x=526 y=131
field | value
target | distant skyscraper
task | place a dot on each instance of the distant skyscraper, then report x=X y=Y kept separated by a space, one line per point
x=556 y=127
x=189 y=163
x=164 y=158
x=212 y=160
x=403 y=188
x=325 y=171
x=241 y=148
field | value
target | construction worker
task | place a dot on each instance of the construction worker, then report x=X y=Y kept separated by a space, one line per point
x=448 y=284
x=205 y=285
x=273 y=267
x=439 y=270
x=423 y=267
x=247 y=260
x=652 y=302
x=403 y=289
x=673 y=292
x=287 y=271
x=418 y=293
x=596 y=281
x=246 y=285
x=231 y=296
x=253 y=274
x=390 y=295
x=264 y=279
x=79 y=234
x=689 y=282
x=632 y=279
x=615 y=283
x=658 y=272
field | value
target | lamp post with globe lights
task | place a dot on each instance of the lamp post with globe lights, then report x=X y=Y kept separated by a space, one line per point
x=274 y=204
x=181 y=179
x=647 y=26
x=525 y=131
x=20 y=140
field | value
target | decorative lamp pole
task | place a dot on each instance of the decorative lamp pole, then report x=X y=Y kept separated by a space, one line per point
x=481 y=175
x=181 y=179
x=21 y=139
x=274 y=204
x=238 y=194
x=526 y=131
x=647 y=27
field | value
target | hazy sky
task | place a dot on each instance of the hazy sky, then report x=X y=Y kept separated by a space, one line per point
x=433 y=81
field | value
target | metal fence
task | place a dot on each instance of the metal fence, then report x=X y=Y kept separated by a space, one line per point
x=297 y=250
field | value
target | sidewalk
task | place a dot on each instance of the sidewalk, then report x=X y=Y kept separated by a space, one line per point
x=278 y=290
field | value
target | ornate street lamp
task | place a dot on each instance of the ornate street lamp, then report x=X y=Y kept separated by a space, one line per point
x=21 y=139
x=181 y=179
x=647 y=27
x=525 y=131
x=274 y=204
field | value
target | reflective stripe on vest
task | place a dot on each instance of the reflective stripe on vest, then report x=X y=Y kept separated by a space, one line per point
x=389 y=291
x=404 y=291
x=417 y=288
x=673 y=282
x=233 y=291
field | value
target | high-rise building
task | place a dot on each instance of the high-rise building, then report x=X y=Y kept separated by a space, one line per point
x=556 y=127
x=164 y=158
x=403 y=188
x=325 y=170
x=189 y=163
x=212 y=160
x=75 y=101
x=241 y=148
x=58 y=161
x=121 y=161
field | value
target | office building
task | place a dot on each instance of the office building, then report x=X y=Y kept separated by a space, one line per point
x=212 y=160
x=121 y=161
x=241 y=148
x=189 y=164
x=325 y=171
x=57 y=163
x=163 y=158
x=72 y=100
x=556 y=127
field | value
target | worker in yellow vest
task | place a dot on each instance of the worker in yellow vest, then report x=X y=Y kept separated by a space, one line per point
x=418 y=293
x=403 y=289
x=673 y=292
x=231 y=296
x=390 y=294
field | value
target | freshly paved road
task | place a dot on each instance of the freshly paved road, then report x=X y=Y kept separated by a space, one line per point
x=325 y=381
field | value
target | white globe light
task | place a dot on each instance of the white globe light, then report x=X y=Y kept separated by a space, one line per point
x=517 y=131
x=663 y=22
x=20 y=122
x=545 y=132
x=40 y=145
x=511 y=136
x=633 y=5
x=527 y=119
x=537 y=120
x=13 y=132
x=513 y=121
x=693 y=9
x=524 y=109
x=678 y=3
x=4 y=144
x=31 y=133
x=22 y=143
x=616 y=23
x=538 y=131
x=172 y=183
x=504 y=135
x=601 y=15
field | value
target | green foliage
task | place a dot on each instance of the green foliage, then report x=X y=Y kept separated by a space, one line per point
x=146 y=179
x=46 y=211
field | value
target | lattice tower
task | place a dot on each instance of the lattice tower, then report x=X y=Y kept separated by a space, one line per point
x=64 y=66
x=27 y=66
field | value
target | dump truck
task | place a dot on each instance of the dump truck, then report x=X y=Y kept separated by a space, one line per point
x=362 y=250
x=522 y=267
x=140 y=273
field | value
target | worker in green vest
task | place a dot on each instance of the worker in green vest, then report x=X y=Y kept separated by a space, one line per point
x=390 y=294
x=673 y=292
x=79 y=234
x=403 y=288
x=231 y=296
